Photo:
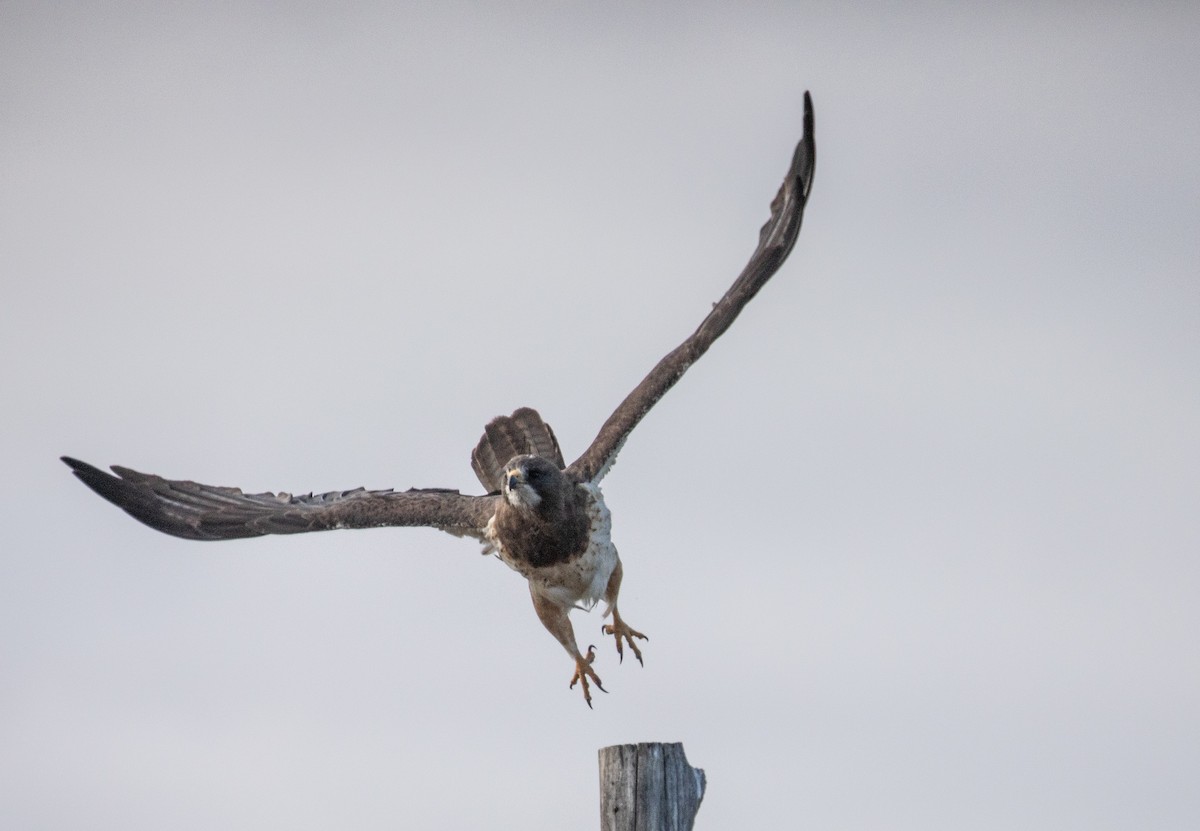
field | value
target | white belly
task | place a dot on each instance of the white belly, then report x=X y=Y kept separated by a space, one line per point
x=582 y=581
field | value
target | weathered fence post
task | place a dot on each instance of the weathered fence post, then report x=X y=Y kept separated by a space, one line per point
x=648 y=787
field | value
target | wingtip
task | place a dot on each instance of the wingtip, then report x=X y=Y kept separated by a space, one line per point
x=805 y=160
x=78 y=467
x=101 y=482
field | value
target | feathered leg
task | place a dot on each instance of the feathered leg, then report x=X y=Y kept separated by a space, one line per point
x=619 y=628
x=555 y=619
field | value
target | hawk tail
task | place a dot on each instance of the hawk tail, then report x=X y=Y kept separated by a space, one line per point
x=521 y=434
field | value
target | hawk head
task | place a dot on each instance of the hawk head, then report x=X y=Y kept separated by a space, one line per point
x=531 y=482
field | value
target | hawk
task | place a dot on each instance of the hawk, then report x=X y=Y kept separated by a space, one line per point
x=544 y=518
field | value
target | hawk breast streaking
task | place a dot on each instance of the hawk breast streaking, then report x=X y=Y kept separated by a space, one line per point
x=544 y=518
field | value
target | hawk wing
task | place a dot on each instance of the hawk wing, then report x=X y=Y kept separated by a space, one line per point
x=204 y=512
x=775 y=242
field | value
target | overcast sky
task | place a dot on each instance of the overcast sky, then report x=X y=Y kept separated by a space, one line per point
x=917 y=544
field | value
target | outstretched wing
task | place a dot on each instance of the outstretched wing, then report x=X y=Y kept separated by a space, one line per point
x=204 y=512
x=775 y=242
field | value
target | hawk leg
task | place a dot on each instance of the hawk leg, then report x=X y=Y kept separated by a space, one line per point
x=583 y=670
x=619 y=629
x=554 y=618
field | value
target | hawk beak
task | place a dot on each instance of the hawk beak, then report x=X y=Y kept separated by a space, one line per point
x=514 y=477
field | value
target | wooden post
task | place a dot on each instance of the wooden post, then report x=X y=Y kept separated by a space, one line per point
x=648 y=787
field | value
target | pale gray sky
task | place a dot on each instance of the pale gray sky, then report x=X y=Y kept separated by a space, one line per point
x=917 y=544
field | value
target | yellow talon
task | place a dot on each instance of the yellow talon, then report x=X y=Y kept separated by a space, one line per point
x=619 y=629
x=583 y=671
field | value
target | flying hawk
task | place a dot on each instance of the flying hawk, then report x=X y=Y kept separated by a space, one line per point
x=544 y=518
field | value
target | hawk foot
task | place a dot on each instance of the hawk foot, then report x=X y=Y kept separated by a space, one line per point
x=584 y=671
x=619 y=629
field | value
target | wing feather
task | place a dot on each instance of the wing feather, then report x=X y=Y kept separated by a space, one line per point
x=206 y=512
x=775 y=242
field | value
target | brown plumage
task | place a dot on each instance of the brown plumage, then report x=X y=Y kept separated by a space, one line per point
x=554 y=530
x=543 y=518
x=207 y=512
x=520 y=434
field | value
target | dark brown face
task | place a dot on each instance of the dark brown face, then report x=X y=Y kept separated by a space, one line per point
x=543 y=519
x=530 y=481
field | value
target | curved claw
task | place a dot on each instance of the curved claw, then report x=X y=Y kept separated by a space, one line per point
x=583 y=671
x=619 y=629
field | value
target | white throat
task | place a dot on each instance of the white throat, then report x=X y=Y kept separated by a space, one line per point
x=522 y=496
